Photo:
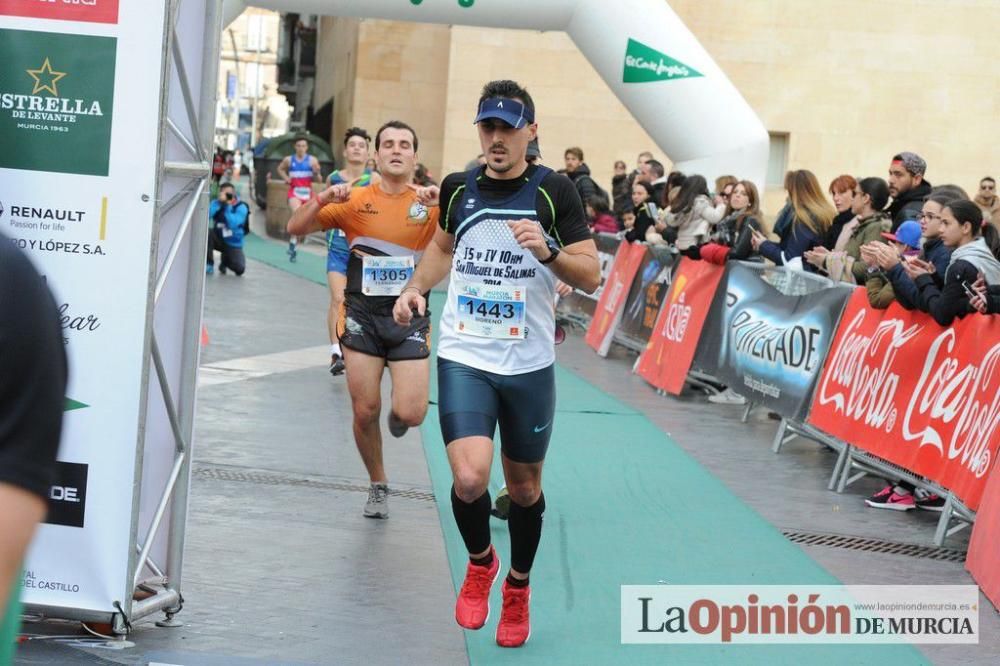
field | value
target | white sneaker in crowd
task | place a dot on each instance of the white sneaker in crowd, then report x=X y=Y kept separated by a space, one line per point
x=727 y=397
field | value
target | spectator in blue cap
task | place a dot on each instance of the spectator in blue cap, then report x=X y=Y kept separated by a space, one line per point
x=905 y=243
x=934 y=251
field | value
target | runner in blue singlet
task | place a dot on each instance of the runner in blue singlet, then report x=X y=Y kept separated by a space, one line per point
x=356 y=171
x=299 y=171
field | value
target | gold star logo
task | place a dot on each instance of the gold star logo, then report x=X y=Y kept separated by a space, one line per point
x=45 y=72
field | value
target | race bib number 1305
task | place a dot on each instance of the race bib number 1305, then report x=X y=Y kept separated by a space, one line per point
x=491 y=312
x=386 y=276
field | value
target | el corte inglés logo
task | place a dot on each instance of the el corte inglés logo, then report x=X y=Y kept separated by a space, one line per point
x=71 y=405
x=644 y=65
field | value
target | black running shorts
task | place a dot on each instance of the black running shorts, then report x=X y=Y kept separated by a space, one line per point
x=472 y=402
x=370 y=329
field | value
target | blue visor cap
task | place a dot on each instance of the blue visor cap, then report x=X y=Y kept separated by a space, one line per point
x=908 y=233
x=510 y=111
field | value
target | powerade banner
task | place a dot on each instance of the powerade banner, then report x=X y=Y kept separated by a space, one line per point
x=927 y=398
x=983 y=559
x=647 y=294
x=581 y=303
x=765 y=345
x=612 y=302
x=668 y=354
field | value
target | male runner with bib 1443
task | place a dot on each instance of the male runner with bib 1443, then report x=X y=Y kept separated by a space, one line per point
x=387 y=227
x=356 y=142
x=508 y=231
x=299 y=170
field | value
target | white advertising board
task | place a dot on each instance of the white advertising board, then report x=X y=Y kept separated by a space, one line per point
x=80 y=114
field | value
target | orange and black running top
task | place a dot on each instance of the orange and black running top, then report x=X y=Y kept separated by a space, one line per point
x=380 y=225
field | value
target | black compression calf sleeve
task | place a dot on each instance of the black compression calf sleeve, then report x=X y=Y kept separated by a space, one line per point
x=525 y=525
x=473 y=520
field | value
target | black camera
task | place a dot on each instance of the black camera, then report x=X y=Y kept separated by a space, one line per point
x=229 y=196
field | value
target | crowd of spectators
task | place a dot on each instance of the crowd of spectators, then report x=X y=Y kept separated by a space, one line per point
x=928 y=248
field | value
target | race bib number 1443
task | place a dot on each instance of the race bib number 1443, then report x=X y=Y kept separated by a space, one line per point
x=489 y=311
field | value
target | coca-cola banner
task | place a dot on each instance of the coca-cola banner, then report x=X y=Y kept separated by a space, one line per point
x=647 y=293
x=580 y=303
x=612 y=302
x=921 y=396
x=668 y=354
x=768 y=346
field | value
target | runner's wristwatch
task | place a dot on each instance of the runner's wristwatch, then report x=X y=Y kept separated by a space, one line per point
x=554 y=249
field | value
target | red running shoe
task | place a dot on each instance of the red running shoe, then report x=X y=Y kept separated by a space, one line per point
x=514 y=629
x=472 y=608
x=888 y=498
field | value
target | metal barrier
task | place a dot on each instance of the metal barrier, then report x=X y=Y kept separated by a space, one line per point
x=790 y=282
x=852 y=462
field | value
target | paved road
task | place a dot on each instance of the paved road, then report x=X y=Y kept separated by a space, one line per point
x=281 y=567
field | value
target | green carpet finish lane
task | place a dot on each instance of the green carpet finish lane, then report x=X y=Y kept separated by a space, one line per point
x=308 y=266
x=625 y=505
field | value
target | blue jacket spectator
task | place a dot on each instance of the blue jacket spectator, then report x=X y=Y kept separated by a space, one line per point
x=797 y=239
x=804 y=225
x=229 y=222
x=232 y=220
x=934 y=251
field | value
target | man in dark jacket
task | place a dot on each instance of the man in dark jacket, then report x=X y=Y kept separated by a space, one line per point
x=907 y=188
x=578 y=171
x=654 y=174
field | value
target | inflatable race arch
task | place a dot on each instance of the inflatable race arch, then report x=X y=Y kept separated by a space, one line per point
x=641 y=49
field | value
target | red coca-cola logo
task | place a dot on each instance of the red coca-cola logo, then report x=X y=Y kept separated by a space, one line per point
x=962 y=397
x=859 y=380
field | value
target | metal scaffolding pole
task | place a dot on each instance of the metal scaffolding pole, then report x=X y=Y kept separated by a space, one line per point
x=189 y=232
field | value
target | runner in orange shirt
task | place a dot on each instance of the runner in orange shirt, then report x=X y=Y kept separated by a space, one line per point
x=388 y=225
